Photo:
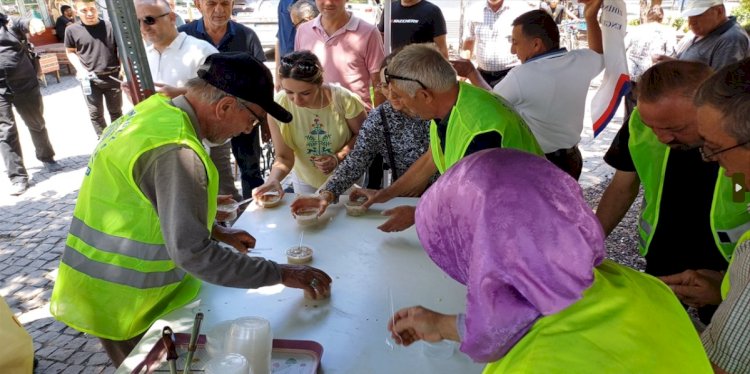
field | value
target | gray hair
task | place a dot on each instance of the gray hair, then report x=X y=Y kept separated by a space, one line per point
x=424 y=63
x=729 y=92
x=304 y=9
x=204 y=90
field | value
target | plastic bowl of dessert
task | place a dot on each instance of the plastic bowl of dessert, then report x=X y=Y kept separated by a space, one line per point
x=355 y=208
x=299 y=254
x=230 y=210
x=269 y=199
x=306 y=216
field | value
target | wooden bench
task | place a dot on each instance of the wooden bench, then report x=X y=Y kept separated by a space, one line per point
x=57 y=49
x=49 y=64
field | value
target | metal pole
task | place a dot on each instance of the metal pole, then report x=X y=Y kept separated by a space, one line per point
x=461 y=26
x=387 y=26
x=130 y=48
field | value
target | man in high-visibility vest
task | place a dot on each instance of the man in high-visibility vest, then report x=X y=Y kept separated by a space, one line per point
x=688 y=219
x=465 y=119
x=142 y=235
x=724 y=124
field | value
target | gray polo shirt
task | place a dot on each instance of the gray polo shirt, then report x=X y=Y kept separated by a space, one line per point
x=728 y=44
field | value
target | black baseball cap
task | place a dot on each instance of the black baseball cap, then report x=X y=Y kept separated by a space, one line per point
x=242 y=75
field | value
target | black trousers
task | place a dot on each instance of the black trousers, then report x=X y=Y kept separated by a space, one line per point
x=30 y=106
x=569 y=160
x=493 y=77
x=246 y=150
x=104 y=89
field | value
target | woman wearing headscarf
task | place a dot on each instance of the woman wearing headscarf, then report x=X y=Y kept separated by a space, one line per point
x=541 y=298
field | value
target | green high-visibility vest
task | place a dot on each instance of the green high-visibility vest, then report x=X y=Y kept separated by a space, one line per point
x=725 y=283
x=477 y=112
x=729 y=219
x=116 y=277
x=626 y=322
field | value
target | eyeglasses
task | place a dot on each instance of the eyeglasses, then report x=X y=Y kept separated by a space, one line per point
x=710 y=156
x=389 y=77
x=151 y=20
x=300 y=22
x=302 y=66
x=258 y=119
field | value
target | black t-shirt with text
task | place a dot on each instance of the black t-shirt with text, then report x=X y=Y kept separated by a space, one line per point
x=683 y=238
x=95 y=46
x=419 y=23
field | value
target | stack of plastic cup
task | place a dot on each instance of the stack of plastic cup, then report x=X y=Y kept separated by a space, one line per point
x=230 y=363
x=252 y=338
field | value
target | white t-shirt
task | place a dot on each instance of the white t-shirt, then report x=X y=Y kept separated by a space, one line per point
x=549 y=92
x=180 y=60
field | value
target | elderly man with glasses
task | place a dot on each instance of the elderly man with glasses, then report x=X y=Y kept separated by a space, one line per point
x=688 y=219
x=143 y=236
x=723 y=104
x=465 y=119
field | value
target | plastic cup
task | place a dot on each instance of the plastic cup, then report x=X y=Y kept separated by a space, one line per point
x=252 y=338
x=216 y=337
x=228 y=363
x=442 y=349
x=229 y=209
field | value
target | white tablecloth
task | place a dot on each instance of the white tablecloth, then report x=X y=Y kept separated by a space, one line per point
x=366 y=265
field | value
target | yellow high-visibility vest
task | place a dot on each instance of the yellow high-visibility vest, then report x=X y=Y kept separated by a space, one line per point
x=116 y=277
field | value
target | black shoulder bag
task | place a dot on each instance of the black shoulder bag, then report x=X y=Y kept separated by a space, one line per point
x=388 y=144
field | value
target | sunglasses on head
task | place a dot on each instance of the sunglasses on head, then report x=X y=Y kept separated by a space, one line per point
x=302 y=66
x=151 y=20
x=389 y=77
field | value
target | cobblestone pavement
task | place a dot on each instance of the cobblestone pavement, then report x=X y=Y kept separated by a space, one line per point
x=33 y=227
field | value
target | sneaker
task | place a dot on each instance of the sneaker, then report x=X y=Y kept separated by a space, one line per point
x=19 y=187
x=51 y=166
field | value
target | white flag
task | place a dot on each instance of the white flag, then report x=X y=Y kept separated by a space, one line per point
x=616 y=82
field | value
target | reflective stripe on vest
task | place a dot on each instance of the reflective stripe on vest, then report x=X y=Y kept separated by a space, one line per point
x=626 y=322
x=477 y=112
x=733 y=235
x=116 y=277
x=120 y=275
x=115 y=244
x=728 y=219
x=726 y=282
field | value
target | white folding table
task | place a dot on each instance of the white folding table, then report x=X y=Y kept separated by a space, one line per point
x=367 y=267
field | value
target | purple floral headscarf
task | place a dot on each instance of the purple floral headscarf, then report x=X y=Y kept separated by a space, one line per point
x=517 y=232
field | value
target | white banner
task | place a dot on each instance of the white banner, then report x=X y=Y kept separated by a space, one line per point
x=616 y=82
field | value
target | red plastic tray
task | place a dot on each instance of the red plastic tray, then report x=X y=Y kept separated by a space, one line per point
x=297 y=356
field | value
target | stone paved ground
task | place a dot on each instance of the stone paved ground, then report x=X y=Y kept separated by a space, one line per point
x=33 y=227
